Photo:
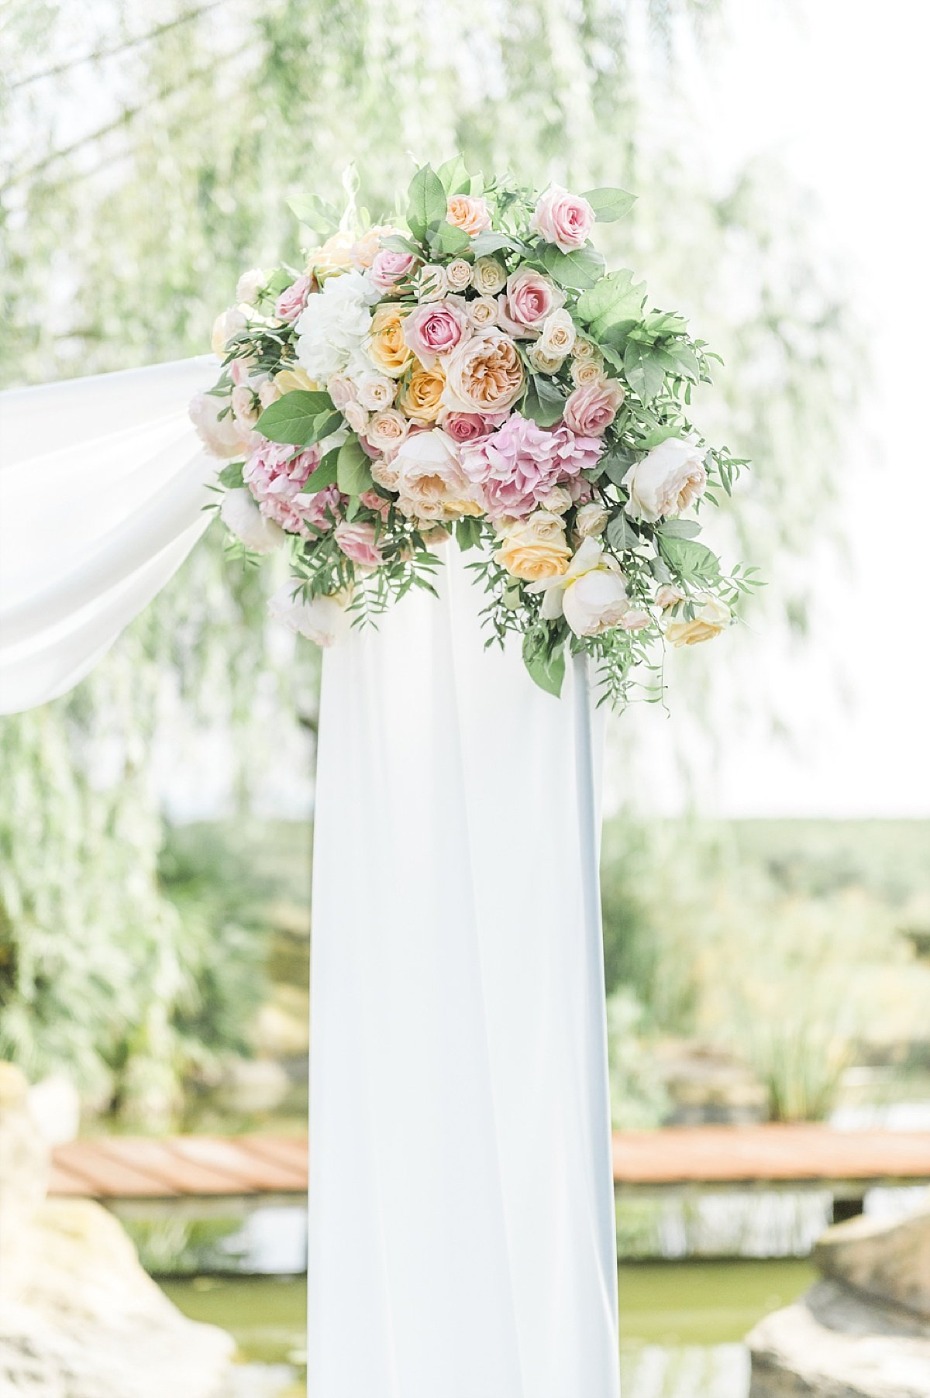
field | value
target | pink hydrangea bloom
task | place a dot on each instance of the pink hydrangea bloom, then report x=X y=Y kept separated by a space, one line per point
x=519 y=464
x=276 y=474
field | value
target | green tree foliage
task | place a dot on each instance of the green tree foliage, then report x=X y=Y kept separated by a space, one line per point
x=148 y=155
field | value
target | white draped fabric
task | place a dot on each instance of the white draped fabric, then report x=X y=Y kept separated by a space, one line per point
x=461 y=1205
x=102 y=488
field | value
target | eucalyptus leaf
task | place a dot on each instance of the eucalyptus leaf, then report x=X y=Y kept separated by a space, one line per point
x=610 y=204
x=544 y=402
x=578 y=270
x=324 y=475
x=426 y=201
x=546 y=664
x=621 y=534
x=450 y=240
x=491 y=241
x=353 y=468
x=292 y=418
x=678 y=528
x=690 y=561
x=231 y=475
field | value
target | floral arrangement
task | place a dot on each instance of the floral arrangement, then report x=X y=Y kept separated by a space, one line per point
x=469 y=372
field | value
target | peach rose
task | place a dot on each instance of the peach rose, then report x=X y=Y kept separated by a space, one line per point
x=535 y=548
x=421 y=396
x=385 y=432
x=484 y=375
x=431 y=483
x=470 y=214
x=590 y=410
x=365 y=249
x=711 y=616
x=386 y=347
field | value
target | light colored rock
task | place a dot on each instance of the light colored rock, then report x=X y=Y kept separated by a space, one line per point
x=889 y=1261
x=836 y=1344
x=79 y=1318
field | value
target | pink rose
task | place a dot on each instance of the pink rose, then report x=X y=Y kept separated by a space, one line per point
x=528 y=299
x=465 y=427
x=590 y=410
x=390 y=267
x=294 y=299
x=436 y=328
x=518 y=466
x=358 y=543
x=376 y=502
x=225 y=437
x=276 y=474
x=562 y=218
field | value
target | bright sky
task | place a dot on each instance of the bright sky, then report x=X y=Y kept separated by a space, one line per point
x=837 y=90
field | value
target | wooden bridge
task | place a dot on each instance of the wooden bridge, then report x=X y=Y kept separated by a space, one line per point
x=810 y=1156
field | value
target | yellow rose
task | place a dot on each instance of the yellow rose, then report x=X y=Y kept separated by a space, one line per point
x=386 y=347
x=711 y=617
x=421 y=395
x=290 y=379
x=334 y=256
x=535 y=548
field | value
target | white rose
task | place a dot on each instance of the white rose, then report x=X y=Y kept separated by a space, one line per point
x=586 y=349
x=383 y=472
x=586 y=372
x=591 y=519
x=544 y=363
x=243 y=404
x=558 y=334
x=482 y=310
x=634 y=620
x=268 y=393
x=375 y=391
x=322 y=619
x=249 y=285
x=591 y=594
x=242 y=517
x=557 y=501
x=458 y=274
x=226 y=325
x=387 y=430
x=488 y=277
x=666 y=481
x=224 y=437
x=356 y=416
x=669 y=596
x=431 y=483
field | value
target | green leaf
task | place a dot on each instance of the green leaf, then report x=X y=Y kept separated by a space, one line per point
x=454 y=176
x=660 y=323
x=353 y=468
x=426 y=201
x=450 y=240
x=324 y=475
x=615 y=464
x=231 y=475
x=689 y=561
x=656 y=437
x=492 y=241
x=544 y=402
x=643 y=369
x=615 y=300
x=609 y=204
x=620 y=533
x=467 y=533
x=686 y=361
x=678 y=528
x=577 y=270
x=397 y=243
x=545 y=662
x=315 y=212
x=293 y=417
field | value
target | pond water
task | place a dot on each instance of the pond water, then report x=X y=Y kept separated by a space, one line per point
x=682 y=1325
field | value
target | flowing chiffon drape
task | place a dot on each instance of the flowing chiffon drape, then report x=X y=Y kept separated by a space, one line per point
x=461 y=1207
x=461 y=1222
